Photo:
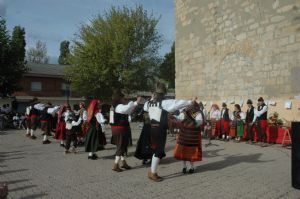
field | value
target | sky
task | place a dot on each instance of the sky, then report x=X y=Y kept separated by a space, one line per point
x=53 y=21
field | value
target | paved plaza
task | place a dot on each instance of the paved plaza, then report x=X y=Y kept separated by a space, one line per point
x=228 y=170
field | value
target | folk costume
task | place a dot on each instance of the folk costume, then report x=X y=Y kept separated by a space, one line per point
x=158 y=109
x=120 y=128
x=80 y=124
x=188 y=147
x=262 y=121
x=32 y=119
x=60 y=132
x=237 y=124
x=94 y=137
x=71 y=137
x=225 y=122
x=45 y=118
x=215 y=116
x=250 y=119
x=143 y=149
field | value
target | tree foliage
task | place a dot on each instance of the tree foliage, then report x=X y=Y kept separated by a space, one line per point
x=12 y=59
x=38 y=54
x=116 y=50
x=167 y=68
x=64 y=53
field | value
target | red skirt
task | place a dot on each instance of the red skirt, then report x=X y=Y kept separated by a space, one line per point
x=216 y=127
x=60 y=132
x=188 y=153
x=225 y=126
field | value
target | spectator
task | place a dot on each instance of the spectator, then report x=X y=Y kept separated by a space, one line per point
x=16 y=121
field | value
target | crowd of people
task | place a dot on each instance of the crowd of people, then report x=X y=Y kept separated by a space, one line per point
x=85 y=126
x=10 y=118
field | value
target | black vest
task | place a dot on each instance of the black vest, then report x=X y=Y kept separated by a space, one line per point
x=225 y=114
x=45 y=115
x=120 y=119
x=263 y=116
x=250 y=115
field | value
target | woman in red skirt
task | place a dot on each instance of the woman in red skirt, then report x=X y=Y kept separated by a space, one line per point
x=60 y=132
x=188 y=147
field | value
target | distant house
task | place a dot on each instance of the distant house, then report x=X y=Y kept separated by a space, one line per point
x=46 y=82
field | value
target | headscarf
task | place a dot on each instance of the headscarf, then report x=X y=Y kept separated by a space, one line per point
x=61 y=111
x=93 y=108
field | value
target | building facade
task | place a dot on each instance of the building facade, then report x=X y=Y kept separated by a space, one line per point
x=45 y=82
x=232 y=50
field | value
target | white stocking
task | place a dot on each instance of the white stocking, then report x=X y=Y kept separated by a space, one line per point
x=117 y=160
x=154 y=164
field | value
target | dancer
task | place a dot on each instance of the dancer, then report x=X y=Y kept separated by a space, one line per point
x=120 y=127
x=32 y=119
x=69 y=117
x=60 y=132
x=93 y=136
x=46 y=121
x=143 y=149
x=188 y=147
x=158 y=109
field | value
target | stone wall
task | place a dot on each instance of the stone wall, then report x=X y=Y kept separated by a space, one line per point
x=232 y=50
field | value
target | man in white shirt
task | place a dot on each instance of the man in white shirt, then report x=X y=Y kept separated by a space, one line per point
x=261 y=115
x=158 y=109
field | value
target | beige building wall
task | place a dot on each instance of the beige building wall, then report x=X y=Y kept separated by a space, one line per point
x=232 y=50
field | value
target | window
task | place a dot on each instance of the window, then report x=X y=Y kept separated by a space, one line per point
x=36 y=86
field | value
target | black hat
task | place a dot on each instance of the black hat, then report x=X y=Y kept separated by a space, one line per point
x=249 y=101
x=260 y=99
x=160 y=88
x=117 y=95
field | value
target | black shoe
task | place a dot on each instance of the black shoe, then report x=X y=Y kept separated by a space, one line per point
x=62 y=145
x=184 y=170
x=32 y=137
x=144 y=162
x=191 y=170
x=46 y=142
x=94 y=157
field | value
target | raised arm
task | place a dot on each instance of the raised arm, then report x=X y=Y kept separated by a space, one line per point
x=39 y=106
x=100 y=118
x=53 y=110
x=126 y=109
x=172 y=105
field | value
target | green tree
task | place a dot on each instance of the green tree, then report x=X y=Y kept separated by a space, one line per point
x=38 y=54
x=117 y=50
x=12 y=53
x=167 y=68
x=64 y=53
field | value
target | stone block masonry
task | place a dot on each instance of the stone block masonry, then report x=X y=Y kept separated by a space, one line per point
x=238 y=49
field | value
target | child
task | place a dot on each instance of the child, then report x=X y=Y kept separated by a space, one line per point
x=188 y=147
